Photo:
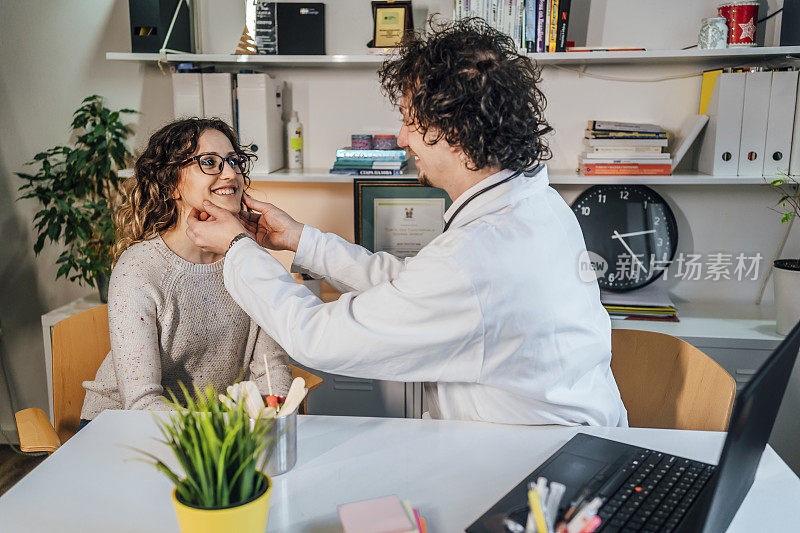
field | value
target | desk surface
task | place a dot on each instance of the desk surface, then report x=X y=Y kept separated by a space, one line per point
x=451 y=471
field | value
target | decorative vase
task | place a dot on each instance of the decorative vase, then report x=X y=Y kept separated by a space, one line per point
x=787 y=294
x=101 y=281
x=247 y=517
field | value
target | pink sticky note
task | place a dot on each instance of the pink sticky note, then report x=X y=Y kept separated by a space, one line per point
x=379 y=515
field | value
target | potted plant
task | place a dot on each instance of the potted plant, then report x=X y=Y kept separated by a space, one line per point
x=77 y=187
x=786 y=272
x=223 y=452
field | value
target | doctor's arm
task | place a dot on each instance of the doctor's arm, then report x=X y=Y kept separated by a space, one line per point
x=344 y=265
x=424 y=325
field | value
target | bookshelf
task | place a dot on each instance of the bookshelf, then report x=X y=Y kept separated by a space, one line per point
x=691 y=57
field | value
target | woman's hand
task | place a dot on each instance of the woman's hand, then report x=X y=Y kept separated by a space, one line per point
x=273 y=228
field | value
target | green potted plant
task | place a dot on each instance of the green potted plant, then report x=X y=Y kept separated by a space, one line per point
x=77 y=187
x=223 y=453
x=786 y=272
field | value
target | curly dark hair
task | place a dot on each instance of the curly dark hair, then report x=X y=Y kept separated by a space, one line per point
x=466 y=82
x=147 y=206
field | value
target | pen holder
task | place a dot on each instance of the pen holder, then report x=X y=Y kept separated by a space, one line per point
x=284 y=454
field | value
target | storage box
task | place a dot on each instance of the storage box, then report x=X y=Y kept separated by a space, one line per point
x=290 y=28
x=150 y=21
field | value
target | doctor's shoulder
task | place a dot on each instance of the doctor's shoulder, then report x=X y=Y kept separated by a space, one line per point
x=457 y=248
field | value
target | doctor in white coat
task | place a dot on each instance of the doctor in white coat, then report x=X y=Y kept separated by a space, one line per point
x=492 y=314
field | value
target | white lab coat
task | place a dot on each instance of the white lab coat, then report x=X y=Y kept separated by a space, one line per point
x=493 y=310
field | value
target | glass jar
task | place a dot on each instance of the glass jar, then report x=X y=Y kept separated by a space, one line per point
x=713 y=34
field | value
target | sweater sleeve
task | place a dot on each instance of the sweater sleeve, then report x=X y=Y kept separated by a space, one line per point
x=280 y=372
x=133 y=327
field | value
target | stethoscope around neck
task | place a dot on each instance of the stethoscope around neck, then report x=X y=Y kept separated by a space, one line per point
x=487 y=189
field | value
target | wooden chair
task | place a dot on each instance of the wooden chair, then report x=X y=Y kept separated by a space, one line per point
x=666 y=382
x=80 y=343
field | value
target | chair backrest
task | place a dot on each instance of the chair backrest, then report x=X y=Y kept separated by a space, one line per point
x=666 y=382
x=80 y=343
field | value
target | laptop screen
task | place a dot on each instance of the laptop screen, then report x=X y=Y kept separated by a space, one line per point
x=751 y=424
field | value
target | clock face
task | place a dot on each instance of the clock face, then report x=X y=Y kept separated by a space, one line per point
x=630 y=234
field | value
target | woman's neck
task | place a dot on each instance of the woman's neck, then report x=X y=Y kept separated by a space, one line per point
x=177 y=241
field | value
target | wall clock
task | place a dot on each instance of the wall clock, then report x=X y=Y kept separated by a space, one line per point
x=630 y=233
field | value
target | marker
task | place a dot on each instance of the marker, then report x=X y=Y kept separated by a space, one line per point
x=553 y=502
x=536 y=509
x=582 y=517
x=591 y=525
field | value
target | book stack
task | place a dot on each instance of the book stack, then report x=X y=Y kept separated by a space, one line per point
x=625 y=149
x=350 y=161
x=648 y=303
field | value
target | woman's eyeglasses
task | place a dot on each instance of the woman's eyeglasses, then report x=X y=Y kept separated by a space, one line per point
x=212 y=164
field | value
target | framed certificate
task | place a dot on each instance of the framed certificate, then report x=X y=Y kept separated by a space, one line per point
x=397 y=216
x=391 y=21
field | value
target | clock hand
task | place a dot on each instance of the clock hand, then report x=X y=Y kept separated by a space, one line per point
x=616 y=235
x=635 y=233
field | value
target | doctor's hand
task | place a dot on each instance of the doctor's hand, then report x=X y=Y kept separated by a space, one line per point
x=214 y=232
x=273 y=228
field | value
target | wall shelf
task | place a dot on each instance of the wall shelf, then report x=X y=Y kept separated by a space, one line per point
x=693 y=56
x=557 y=177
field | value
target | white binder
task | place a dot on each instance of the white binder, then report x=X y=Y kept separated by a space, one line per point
x=794 y=160
x=755 y=111
x=719 y=147
x=780 y=123
x=187 y=94
x=260 y=124
x=218 y=96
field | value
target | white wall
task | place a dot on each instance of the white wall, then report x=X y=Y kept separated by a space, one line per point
x=53 y=55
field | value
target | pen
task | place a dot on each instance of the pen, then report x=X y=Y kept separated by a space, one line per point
x=576 y=503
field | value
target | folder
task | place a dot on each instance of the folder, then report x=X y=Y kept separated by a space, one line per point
x=794 y=157
x=218 y=96
x=755 y=110
x=719 y=147
x=706 y=88
x=780 y=123
x=187 y=94
x=259 y=117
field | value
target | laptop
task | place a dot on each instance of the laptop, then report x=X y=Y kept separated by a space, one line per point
x=647 y=490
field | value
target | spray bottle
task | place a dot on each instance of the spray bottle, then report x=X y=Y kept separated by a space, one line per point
x=294 y=142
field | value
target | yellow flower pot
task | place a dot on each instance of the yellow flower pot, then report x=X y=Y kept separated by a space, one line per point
x=245 y=518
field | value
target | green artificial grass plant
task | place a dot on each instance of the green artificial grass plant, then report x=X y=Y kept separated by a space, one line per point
x=220 y=449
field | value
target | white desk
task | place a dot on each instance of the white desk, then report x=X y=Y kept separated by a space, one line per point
x=451 y=471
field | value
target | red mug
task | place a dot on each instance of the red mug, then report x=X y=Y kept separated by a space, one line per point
x=741 y=18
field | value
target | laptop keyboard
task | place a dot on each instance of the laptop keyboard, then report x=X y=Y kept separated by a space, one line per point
x=652 y=492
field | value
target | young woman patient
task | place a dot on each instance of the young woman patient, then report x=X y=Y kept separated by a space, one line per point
x=170 y=318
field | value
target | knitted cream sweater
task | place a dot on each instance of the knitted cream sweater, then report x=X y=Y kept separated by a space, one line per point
x=171 y=320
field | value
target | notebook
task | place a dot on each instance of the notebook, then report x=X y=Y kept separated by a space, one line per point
x=379 y=515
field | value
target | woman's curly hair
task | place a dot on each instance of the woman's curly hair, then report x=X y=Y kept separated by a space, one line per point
x=147 y=205
x=466 y=82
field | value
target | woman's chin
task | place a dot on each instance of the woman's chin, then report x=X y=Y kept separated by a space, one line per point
x=230 y=203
